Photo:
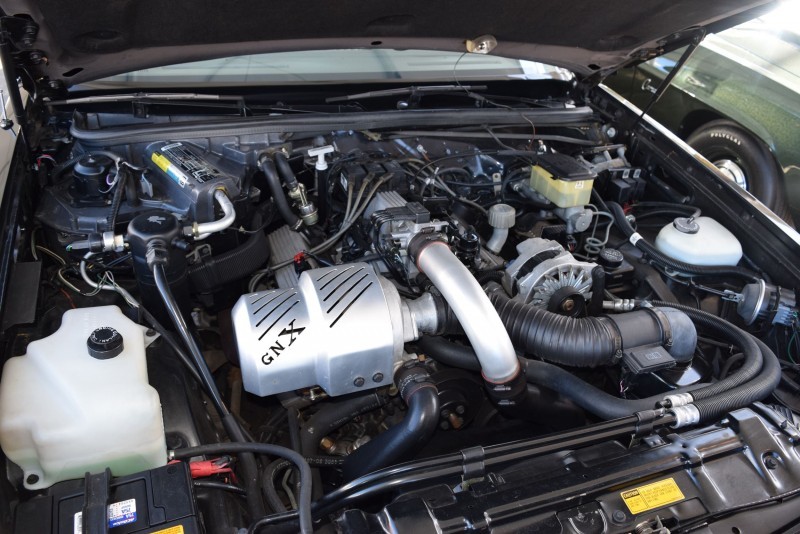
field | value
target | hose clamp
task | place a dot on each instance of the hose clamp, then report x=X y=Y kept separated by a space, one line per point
x=666 y=328
x=421 y=241
x=473 y=466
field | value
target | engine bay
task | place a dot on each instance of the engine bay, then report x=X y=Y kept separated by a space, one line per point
x=538 y=325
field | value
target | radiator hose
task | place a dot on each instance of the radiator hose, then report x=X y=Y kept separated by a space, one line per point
x=592 y=341
x=402 y=440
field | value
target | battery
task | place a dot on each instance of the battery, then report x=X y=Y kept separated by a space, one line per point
x=159 y=501
x=189 y=178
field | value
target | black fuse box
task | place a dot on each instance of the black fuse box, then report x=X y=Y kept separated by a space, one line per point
x=159 y=501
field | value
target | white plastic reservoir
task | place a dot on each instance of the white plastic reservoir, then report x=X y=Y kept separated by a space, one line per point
x=712 y=244
x=64 y=412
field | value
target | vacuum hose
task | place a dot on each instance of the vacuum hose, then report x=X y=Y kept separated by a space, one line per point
x=274 y=182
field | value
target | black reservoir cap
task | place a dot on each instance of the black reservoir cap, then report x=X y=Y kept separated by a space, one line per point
x=104 y=343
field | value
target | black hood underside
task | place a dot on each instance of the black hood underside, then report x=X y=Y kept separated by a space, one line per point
x=90 y=39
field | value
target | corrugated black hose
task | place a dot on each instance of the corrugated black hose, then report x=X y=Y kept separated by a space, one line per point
x=591 y=341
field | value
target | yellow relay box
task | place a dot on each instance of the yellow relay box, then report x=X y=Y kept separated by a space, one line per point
x=562 y=180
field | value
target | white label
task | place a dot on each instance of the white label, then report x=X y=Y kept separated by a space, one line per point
x=119 y=513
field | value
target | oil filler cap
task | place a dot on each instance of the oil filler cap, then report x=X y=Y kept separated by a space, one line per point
x=104 y=343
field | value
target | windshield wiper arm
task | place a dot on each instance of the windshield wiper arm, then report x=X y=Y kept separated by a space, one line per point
x=399 y=91
x=133 y=97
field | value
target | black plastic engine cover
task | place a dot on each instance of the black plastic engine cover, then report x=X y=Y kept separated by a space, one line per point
x=699 y=476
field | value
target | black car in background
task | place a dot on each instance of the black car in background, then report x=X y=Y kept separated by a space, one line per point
x=737 y=102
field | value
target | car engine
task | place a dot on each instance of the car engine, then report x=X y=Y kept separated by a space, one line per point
x=428 y=330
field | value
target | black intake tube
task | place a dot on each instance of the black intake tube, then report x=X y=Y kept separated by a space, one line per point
x=402 y=440
x=592 y=341
x=662 y=259
x=274 y=182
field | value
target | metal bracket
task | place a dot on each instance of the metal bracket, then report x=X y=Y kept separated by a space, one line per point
x=20 y=31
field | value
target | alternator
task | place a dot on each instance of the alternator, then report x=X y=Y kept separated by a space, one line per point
x=546 y=275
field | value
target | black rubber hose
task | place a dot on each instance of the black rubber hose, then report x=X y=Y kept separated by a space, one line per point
x=406 y=437
x=211 y=484
x=229 y=422
x=669 y=207
x=757 y=389
x=585 y=395
x=179 y=352
x=212 y=273
x=116 y=200
x=272 y=470
x=591 y=341
x=274 y=182
x=543 y=374
x=729 y=363
x=285 y=171
x=332 y=416
x=303 y=500
x=449 y=353
x=701 y=270
x=271 y=520
x=753 y=358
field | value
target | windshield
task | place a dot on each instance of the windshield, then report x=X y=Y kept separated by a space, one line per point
x=337 y=66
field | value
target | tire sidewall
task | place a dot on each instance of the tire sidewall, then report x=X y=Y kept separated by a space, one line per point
x=724 y=140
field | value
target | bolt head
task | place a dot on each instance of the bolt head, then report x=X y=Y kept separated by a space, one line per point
x=359 y=381
x=377 y=378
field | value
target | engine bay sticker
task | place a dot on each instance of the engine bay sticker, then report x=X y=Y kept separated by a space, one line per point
x=169 y=169
x=652 y=496
x=119 y=513
x=171 y=530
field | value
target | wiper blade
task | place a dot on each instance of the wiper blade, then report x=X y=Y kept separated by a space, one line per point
x=412 y=90
x=133 y=97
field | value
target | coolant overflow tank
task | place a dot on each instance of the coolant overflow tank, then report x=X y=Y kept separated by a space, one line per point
x=341 y=328
x=79 y=401
x=700 y=241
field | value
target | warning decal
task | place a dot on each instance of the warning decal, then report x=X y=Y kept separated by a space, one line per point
x=652 y=496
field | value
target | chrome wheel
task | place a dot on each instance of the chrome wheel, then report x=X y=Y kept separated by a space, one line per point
x=733 y=171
